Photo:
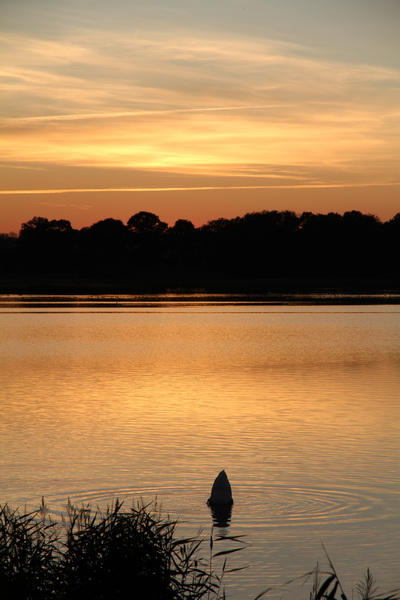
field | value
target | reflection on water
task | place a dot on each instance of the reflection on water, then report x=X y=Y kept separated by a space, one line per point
x=221 y=514
x=193 y=300
x=300 y=404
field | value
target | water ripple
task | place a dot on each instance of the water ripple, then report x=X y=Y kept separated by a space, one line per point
x=271 y=506
x=284 y=506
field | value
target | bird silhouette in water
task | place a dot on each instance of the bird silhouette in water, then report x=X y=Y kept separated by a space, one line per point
x=221 y=492
x=221 y=500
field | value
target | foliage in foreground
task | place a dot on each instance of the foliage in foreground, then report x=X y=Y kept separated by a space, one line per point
x=330 y=588
x=119 y=554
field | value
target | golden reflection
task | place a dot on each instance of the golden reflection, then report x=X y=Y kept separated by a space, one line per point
x=300 y=408
x=289 y=390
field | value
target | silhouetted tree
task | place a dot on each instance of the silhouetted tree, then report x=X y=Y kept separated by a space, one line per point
x=103 y=247
x=320 y=251
x=218 y=248
x=47 y=246
x=391 y=247
x=182 y=228
x=361 y=244
x=394 y=223
x=146 y=222
x=182 y=247
x=8 y=253
x=37 y=226
x=258 y=245
x=269 y=237
x=108 y=229
x=147 y=243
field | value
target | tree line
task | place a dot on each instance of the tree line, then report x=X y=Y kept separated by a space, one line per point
x=258 y=245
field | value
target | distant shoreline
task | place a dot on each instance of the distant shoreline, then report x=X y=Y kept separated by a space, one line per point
x=269 y=291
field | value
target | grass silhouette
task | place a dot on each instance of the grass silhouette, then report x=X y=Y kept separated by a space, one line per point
x=120 y=554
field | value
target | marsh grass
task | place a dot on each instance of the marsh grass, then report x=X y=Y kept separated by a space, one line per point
x=133 y=554
x=330 y=588
x=112 y=554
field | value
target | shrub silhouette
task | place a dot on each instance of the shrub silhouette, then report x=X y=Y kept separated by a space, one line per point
x=125 y=555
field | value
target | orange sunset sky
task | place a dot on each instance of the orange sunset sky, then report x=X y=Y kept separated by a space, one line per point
x=198 y=109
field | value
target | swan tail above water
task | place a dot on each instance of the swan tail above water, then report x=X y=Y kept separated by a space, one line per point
x=221 y=492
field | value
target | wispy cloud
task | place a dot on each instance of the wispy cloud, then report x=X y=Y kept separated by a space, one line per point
x=156 y=72
x=191 y=188
x=20 y=121
x=196 y=104
x=59 y=205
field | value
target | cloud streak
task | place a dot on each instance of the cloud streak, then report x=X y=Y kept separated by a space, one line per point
x=158 y=72
x=139 y=113
x=192 y=188
x=59 y=205
x=198 y=105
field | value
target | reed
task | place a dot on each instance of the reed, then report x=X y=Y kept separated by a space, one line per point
x=120 y=554
x=29 y=554
x=330 y=588
x=115 y=554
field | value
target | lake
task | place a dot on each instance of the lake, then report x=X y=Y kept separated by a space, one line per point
x=128 y=397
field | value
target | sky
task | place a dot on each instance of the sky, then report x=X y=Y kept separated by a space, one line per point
x=198 y=109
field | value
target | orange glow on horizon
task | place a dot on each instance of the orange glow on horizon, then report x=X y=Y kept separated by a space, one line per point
x=204 y=113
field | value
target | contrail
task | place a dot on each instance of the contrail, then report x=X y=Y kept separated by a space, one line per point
x=137 y=113
x=205 y=188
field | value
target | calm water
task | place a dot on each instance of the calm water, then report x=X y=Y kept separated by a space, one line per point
x=299 y=404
